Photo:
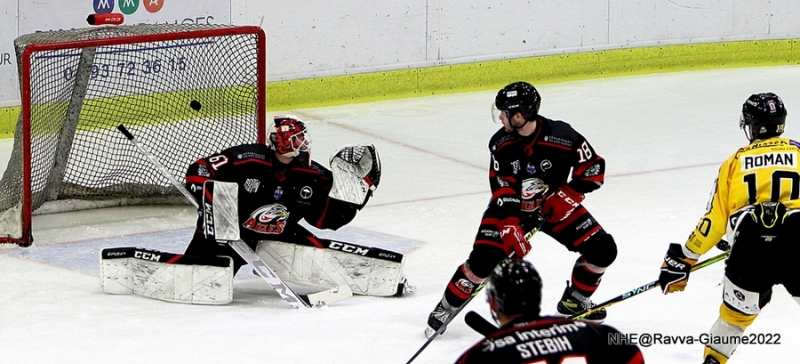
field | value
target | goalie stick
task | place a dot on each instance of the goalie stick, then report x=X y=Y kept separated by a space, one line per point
x=474 y=293
x=244 y=251
x=486 y=328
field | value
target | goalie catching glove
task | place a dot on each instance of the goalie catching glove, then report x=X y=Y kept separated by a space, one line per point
x=356 y=173
x=676 y=268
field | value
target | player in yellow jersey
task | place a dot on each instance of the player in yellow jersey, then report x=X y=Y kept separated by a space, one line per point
x=754 y=201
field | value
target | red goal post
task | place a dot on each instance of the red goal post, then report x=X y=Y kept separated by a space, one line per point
x=186 y=91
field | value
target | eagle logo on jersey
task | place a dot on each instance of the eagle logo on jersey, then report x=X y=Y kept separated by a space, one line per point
x=464 y=285
x=533 y=190
x=270 y=219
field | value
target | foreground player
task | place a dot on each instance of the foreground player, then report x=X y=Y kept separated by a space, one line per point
x=514 y=292
x=755 y=197
x=279 y=185
x=539 y=167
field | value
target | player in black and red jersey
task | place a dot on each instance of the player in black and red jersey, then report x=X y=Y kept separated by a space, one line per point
x=540 y=170
x=279 y=185
x=514 y=292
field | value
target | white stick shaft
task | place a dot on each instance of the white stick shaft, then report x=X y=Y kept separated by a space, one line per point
x=160 y=167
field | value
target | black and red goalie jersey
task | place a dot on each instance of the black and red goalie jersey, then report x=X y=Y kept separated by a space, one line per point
x=524 y=170
x=273 y=196
x=552 y=340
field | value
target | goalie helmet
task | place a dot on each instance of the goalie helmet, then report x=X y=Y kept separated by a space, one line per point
x=288 y=136
x=763 y=116
x=517 y=97
x=515 y=288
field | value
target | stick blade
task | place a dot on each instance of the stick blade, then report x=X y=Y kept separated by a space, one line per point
x=479 y=324
x=325 y=297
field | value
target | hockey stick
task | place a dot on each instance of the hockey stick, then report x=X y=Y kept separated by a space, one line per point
x=474 y=293
x=486 y=328
x=481 y=325
x=447 y=322
x=244 y=251
x=645 y=288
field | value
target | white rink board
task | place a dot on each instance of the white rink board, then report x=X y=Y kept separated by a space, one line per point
x=24 y=17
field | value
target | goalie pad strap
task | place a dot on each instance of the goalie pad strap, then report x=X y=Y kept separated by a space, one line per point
x=166 y=276
x=365 y=251
x=168 y=258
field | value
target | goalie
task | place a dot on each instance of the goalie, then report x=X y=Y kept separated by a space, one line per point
x=279 y=185
x=273 y=186
x=256 y=194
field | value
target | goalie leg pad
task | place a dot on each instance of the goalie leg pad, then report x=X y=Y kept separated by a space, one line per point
x=166 y=276
x=364 y=274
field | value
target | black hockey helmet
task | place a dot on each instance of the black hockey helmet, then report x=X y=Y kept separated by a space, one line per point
x=519 y=97
x=763 y=116
x=515 y=288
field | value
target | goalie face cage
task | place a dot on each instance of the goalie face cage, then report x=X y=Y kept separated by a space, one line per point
x=186 y=91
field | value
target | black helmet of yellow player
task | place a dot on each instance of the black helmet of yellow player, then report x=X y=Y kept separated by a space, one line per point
x=288 y=136
x=763 y=116
x=518 y=97
x=515 y=288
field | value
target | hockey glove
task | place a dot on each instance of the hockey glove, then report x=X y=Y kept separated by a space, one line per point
x=560 y=204
x=675 y=269
x=514 y=240
x=356 y=173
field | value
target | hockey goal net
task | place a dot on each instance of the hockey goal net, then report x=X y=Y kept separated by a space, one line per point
x=185 y=91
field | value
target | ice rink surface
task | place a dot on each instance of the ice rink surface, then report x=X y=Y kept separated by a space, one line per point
x=663 y=137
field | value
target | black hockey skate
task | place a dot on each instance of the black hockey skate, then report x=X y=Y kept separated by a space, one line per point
x=438 y=317
x=573 y=303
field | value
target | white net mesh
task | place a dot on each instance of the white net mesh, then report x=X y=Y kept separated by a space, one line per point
x=185 y=91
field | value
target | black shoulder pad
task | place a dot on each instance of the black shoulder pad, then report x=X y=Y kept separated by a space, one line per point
x=247 y=151
x=561 y=133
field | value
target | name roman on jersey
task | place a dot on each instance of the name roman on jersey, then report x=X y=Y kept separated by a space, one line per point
x=769 y=160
